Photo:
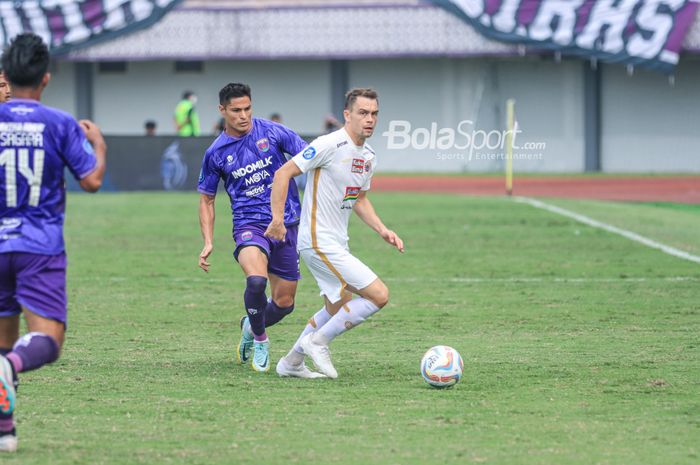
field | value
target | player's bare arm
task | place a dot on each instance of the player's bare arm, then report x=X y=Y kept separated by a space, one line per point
x=93 y=181
x=206 y=225
x=280 y=186
x=364 y=209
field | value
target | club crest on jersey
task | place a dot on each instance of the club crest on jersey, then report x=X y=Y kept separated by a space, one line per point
x=309 y=153
x=358 y=165
x=368 y=166
x=263 y=144
x=351 y=193
x=247 y=235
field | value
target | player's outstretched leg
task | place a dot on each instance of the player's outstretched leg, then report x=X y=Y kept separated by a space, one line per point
x=350 y=315
x=255 y=303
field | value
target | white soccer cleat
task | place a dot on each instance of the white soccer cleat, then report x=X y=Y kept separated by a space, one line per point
x=8 y=443
x=287 y=370
x=320 y=355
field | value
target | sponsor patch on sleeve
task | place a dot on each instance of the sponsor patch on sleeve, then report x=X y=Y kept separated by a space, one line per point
x=87 y=146
x=309 y=153
x=351 y=193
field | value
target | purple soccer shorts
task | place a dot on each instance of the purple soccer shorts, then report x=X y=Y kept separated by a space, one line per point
x=36 y=282
x=282 y=256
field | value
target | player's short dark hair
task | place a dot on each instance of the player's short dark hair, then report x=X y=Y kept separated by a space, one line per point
x=352 y=95
x=187 y=94
x=26 y=60
x=150 y=124
x=233 y=90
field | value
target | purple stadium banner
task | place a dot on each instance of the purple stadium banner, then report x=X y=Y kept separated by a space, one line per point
x=68 y=24
x=647 y=33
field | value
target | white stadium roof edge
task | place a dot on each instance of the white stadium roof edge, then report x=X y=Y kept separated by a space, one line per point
x=293 y=29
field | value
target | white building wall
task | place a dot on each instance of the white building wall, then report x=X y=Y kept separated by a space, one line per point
x=471 y=95
x=298 y=90
x=648 y=124
x=61 y=91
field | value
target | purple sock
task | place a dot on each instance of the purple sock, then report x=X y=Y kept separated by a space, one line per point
x=7 y=424
x=274 y=314
x=32 y=351
x=255 y=303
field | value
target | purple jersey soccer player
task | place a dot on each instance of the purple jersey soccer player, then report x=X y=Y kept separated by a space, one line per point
x=36 y=144
x=246 y=155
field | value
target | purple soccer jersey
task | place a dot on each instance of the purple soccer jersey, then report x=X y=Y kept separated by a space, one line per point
x=247 y=165
x=36 y=144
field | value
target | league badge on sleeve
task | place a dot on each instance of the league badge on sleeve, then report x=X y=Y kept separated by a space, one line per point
x=87 y=146
x=263 y=144
x=309 y=153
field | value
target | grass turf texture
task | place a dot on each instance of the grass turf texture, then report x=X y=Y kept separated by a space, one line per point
x=580 y=346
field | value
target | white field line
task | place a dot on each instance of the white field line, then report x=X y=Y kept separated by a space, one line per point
x=610 y=228
x=468 y=280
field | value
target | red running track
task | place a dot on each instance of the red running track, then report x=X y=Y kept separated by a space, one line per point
x=680 y=189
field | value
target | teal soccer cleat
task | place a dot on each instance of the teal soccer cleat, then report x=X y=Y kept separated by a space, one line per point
x=245 y=346
x=261 y=356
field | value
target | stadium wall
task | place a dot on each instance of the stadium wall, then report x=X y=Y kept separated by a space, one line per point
x=647 y=124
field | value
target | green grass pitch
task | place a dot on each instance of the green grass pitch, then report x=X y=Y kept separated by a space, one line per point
x=580 y=347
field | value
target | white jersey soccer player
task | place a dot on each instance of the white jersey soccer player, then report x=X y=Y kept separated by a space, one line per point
x=340 y=166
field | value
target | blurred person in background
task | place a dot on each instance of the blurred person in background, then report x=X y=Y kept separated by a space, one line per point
x=186 y=117
x=150 y=127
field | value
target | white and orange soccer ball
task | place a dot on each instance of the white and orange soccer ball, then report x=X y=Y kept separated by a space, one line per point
x=441 y=367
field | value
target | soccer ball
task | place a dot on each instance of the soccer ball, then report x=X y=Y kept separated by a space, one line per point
x=441 y=367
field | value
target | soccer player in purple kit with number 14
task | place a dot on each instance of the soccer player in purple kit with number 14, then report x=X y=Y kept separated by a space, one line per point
x=36 y=144
x=246 y=155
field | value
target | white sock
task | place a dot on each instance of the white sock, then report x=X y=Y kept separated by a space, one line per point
x=320 y=318
x=350 y=315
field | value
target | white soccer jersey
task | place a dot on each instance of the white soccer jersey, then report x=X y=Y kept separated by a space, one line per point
x=337 y=171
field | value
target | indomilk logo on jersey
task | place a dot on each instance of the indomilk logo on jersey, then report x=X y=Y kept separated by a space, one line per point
x=252 y=167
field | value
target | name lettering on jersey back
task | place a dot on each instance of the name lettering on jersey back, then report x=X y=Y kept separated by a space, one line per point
x=22 y=134
x=252 y=168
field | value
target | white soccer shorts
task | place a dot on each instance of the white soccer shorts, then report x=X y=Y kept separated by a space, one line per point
x=334 y=268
